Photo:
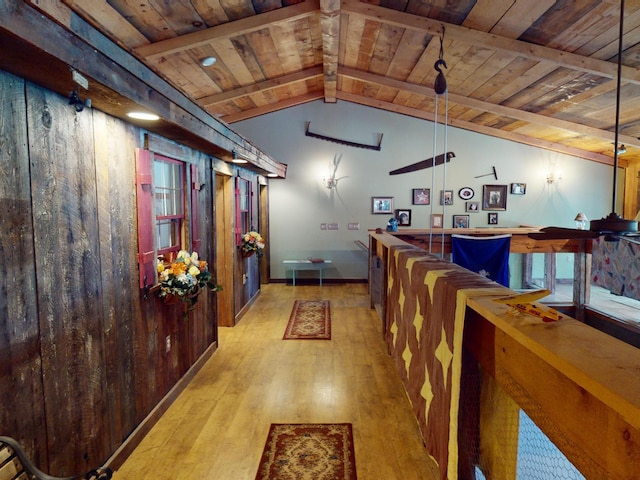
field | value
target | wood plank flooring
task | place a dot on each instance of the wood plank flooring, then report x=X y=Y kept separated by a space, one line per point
x=217 y=427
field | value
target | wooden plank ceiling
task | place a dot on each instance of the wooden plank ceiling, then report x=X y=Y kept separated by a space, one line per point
x=542 y=73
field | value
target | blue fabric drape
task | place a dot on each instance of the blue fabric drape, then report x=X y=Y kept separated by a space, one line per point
x=488 y=256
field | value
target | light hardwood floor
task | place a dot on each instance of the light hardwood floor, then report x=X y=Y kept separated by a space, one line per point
x=217 y=427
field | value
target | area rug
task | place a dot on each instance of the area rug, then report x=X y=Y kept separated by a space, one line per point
x=309 y=320
x=308 y=451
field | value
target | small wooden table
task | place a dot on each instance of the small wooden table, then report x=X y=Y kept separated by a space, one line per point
x=296 y=265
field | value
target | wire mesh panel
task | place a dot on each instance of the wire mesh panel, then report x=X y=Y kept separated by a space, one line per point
x=499 y=441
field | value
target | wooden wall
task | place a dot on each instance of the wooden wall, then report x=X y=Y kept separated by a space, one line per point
x=82 y=351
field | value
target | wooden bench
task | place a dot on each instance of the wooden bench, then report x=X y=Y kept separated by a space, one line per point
x=15 y=465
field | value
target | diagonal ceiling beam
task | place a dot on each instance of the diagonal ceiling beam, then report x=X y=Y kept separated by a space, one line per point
x=489 y=107
x=489 y=40
x=229 y=30
x=493 y=132
x=272 y=107
x=263 y=86
x=413 y=112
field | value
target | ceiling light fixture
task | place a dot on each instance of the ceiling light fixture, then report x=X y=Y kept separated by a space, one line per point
x=143 y=116
x=208 y=61
x=237 y=158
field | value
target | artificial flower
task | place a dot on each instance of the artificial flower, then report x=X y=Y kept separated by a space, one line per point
x=185 y=278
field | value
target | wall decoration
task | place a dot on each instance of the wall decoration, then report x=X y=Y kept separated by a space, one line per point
x=344 y=142
x=493 y=218
x=436 y=220
x=518 y=188
x=381 y=205
x=446 y=197
x=404 y=217
x=494 y=197
x=421 y=196
x=461 y=221
x=466 y=193
x=472 y=207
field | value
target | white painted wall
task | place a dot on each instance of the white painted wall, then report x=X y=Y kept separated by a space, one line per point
x=299 y=204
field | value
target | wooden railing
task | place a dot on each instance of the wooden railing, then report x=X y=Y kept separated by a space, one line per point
x=579 y=385
x=438 y=241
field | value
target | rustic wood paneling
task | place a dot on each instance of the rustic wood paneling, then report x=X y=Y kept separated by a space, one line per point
x=66 y=244
x=118 y=267
x=22 y=412
x=82 y=348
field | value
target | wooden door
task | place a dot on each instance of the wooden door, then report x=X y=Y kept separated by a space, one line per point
x=224 y=248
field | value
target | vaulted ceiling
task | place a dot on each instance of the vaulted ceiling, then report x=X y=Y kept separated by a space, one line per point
x=542 y=73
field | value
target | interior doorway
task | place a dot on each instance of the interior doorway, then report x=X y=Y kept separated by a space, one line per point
x=223 y=214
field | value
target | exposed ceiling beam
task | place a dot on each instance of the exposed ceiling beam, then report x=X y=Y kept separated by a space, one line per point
x=265 y=85
x=489 y=107
x=264 y=109
x=488 y=40
x=117 y=80
x=330 y=23
x=229 y=30
x=413 y=112
x=493 y=132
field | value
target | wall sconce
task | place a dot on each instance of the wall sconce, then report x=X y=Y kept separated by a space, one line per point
x=74 y=99
x=581 y=221
x=554 y=177
x=330 y=181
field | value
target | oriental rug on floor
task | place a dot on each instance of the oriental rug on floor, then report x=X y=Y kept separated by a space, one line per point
x=308 y=451
x=309 y=320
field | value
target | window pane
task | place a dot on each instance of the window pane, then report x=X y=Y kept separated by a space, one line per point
x=169 y=204
x=168 y=234
x=168 y=191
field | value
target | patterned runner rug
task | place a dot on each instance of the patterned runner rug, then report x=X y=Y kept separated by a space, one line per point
x=308 y=451
x=309 y=320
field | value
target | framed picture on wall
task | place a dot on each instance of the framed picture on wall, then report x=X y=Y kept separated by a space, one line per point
x=494 y=197
x=381 y=205
x=404 y=217
x=493 y=218
x=446 y=197
x=518 y=188
x=471 y=207
x=436 y=220
x=421 y=196
x=461 y=221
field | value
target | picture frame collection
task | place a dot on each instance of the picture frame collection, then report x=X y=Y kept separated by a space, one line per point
x=493 y=200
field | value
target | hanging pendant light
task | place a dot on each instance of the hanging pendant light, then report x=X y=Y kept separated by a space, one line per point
x=614 y=223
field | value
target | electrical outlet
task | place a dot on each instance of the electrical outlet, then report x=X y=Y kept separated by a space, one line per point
x=167 y=344
x=332 y=226
x=354 y=226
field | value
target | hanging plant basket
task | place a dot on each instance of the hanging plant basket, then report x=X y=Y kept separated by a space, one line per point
x=172 y=299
